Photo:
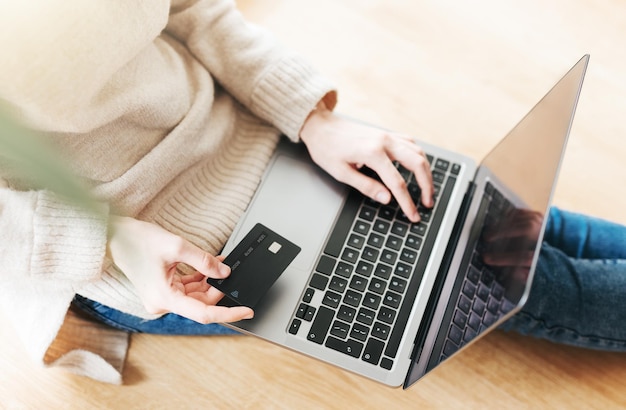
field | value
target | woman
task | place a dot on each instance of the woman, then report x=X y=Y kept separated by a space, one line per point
x=169 y=112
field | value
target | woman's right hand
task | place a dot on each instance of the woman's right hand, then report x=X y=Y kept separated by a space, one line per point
x=148 y=256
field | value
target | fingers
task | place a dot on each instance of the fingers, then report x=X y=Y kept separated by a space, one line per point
x=202 y=261
x=394 y=147
x=201 y=312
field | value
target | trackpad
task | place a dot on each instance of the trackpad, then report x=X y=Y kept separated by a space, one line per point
x=299 y=201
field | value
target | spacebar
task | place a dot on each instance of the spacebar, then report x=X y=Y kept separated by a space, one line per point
x=409 y=298
x=343 y=224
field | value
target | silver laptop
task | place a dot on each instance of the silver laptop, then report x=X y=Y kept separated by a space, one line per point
x=376 y=295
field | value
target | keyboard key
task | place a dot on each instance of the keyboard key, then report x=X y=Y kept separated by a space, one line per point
x=455 y=334
x=308 y=295
x=346 y=313
x=318 y=281
x=377 y=286
x=349 y=347
x=386 y=315
x=489 y=318
x=415 y=192
x=359 y=332
x=497 y=291
x=362 y=227
x=381 y=330
x=356 y=241
x=456 y=168
x=370 y=254
x=326 y=265
x=338 y=284
x=469 y=289
x=393 y=242
x=392 y=299
x=413 y=242
x=295 y=326
x=449 y=348
x=320 y=325
x=469 y=335
x=367 y=213
x=340 y=329
x=425 y=214
x=352 y=298
x=408 y=256
x=364 y=268
x=493 y=305
x=397 y=284
x=465 y=304
x=387 y=212
x=402 y=270
x=376 y=240
x=460 y=319
x=442 y=164
x=349 y=255
x=473 y=275
x=331 y=299
x=373 y=351
x=301 y=310
x=399 y=228
x=365 y=316
x=483 y=292
x=438 y=177
x=382 y=271
x=344 y=269
x=371 y=301
x=389 y=257
x=386 y=363
x=478 y=307
x=474 y=321
x=358 y=283
x=418 y=229
x=381 y=226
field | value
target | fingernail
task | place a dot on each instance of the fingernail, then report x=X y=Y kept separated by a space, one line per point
x=249 y=316
x=382 y=197
x=224 y=269
x=416 y=217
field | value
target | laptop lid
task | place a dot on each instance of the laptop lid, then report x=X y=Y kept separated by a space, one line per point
x=524 y=166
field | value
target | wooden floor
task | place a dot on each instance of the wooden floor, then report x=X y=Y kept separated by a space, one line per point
x=459 y=74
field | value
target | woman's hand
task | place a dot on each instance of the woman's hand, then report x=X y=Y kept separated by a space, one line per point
x=148 y=256
x=341 y=147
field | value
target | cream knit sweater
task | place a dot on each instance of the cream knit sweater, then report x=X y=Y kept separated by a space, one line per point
x=169 y=112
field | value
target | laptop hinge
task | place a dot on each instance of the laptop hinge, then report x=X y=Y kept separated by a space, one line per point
x=439 y=281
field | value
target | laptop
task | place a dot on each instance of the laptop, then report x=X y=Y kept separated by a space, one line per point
x=390 y=300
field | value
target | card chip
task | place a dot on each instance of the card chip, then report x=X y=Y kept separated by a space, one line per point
x=275 y=247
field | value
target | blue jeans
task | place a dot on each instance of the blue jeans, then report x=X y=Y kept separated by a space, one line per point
x=576 y=296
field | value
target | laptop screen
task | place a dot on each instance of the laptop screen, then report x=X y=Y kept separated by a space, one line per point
x=526 y=164
x=514 y=185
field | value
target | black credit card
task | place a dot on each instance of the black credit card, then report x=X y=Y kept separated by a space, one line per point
x=256 y=263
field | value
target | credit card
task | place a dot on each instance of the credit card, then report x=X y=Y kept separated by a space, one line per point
x=256 y=263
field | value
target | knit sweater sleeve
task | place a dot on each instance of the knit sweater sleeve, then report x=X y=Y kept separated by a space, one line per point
x=46 y=239
x=272 y=82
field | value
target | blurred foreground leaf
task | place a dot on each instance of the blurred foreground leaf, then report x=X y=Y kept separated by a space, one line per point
x=29 y=155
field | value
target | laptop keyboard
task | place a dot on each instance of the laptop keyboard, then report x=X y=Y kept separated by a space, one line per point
x=481 y=301
x=373 y=261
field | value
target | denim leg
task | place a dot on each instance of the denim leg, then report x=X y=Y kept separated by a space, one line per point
x=169 y=324
x=585 y=237
x=578 y=300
